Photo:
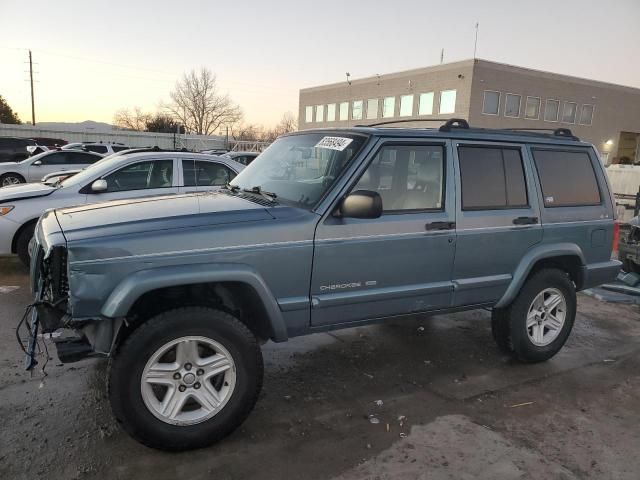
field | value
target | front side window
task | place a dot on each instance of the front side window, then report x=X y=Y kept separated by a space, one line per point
x=308 y=114
x=425 y=106
x=319 y=113
x=141 y=175
x=389 y=107
x=372 y=108
x=56 y=158
x=300 y=168
x=206 y=174
x=448 y=101
x=551 y=111
x=491 y=178
x=344 y=111
x=80 y=158
x=532 y=108
x=356 y=110
x=491 y=103
x=331 y=112
x=512 y=105
x=567 y=178
x=97 y=148
x=569 y=112
x=407 y=177
x=586 y=115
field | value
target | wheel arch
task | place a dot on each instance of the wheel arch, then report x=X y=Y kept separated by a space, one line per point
x=24 y=179
x=566 y=256
x=14 y=240
x=236 y=289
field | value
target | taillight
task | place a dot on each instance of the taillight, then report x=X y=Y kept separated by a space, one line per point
x=616 y=239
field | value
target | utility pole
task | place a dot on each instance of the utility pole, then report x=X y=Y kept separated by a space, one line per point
x=475 y=44
x=33 y=107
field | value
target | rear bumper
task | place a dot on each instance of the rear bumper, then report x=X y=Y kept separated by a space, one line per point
x=596 y=274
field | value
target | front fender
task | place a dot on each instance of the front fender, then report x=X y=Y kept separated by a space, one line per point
x=527 y=262
x=131 y=288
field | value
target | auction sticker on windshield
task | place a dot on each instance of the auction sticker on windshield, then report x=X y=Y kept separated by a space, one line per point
x=334 y=143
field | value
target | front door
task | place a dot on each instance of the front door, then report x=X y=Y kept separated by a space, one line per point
x=401 y=262
x=498 y=218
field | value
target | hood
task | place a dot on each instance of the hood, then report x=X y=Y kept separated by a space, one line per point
x=25 y=190
x=146 y=215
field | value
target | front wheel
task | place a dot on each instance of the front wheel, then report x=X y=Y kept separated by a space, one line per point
x=186 y=378
x=538 y=322
x=9 y=179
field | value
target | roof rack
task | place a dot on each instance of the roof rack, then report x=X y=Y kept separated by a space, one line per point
x=558 y=132
x=390 y=122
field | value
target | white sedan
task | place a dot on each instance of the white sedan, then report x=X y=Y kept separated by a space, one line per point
x=119 y=176
x=34 y=168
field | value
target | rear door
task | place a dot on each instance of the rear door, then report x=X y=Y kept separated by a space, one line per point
x=497 y=218
x=401 y=262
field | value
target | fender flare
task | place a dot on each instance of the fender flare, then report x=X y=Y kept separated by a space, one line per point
x=541 y=252
x=133 y=286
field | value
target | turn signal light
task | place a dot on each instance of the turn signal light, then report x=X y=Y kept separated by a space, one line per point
x=5 y=209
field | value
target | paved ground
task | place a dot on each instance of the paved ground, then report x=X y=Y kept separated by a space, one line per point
x=452 y=407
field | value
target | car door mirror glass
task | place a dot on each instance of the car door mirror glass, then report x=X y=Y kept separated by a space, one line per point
x=99 y=186
x=361 y=204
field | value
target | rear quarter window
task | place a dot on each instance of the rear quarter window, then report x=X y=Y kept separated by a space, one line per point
x=567 y=178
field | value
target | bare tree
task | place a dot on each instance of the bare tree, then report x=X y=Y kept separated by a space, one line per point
x=197 y=103
x=287 y=124
x=136 y=120
x=246 y=132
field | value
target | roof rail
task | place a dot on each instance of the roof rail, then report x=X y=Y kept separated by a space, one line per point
x=389 y=122
x=558 y=132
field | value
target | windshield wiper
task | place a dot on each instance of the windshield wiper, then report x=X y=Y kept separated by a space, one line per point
x=232 y=188
x=258 y=190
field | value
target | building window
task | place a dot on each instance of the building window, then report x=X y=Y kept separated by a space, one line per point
x=372 y=108
x=512 y=105
x=491 y=178
x=319 y=113
x=566 y=178
x=308 y=114
x=331 y=112
x=356 y=110
x=425 y=105
x=344 y=111
x=448 y=101
x=389 y=107
x=491 y=102
x=406 y=105
x=551 y=110
x=569 y=112
x=586 y=116
x=532 y=108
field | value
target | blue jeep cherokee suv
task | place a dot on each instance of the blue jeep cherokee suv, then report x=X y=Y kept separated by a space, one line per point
x=326 y=229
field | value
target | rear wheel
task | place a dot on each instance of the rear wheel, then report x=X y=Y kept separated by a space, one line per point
x=186 y=378
x=22 y=243
x=538 y=322
x=11 y=179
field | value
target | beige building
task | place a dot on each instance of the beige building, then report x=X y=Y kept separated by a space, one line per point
x=487 y=94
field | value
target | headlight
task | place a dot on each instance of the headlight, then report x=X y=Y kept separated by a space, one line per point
x=5 y=209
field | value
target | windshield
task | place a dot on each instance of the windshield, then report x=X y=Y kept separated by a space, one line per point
x=300 y=168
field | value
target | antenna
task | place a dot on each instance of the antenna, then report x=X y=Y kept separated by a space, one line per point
x=475 y=44
x=441 y=56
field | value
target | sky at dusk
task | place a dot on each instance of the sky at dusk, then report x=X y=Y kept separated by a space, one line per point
x=94 y=58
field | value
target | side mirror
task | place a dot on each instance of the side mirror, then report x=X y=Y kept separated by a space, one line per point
x=362 y=204
x=99 y=186
x=37 y=163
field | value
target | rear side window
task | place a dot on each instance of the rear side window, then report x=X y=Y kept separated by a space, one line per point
x=97 y=148
x=119 y=149
x=567 y=178
x=492 y=178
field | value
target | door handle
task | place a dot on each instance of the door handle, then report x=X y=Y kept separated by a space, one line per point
x=525 y=220
x=440 y=226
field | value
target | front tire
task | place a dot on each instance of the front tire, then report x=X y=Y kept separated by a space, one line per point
x=538 y=322
x=11 y=179
x=185 y=378
x=22 y=244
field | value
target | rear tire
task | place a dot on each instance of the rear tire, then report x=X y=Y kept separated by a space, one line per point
x=538 y=322
x=132 y=378
x=11 y=179
x=22 y=243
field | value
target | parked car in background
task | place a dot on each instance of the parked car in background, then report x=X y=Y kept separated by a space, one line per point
x=244 y=158
x=58 y=176
x=51 y=143
x=215 y=151
x=13 y=149
x=629 y=246
x=101 y=148
x=36 y=167
x=121 y=176
x=327 y=229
